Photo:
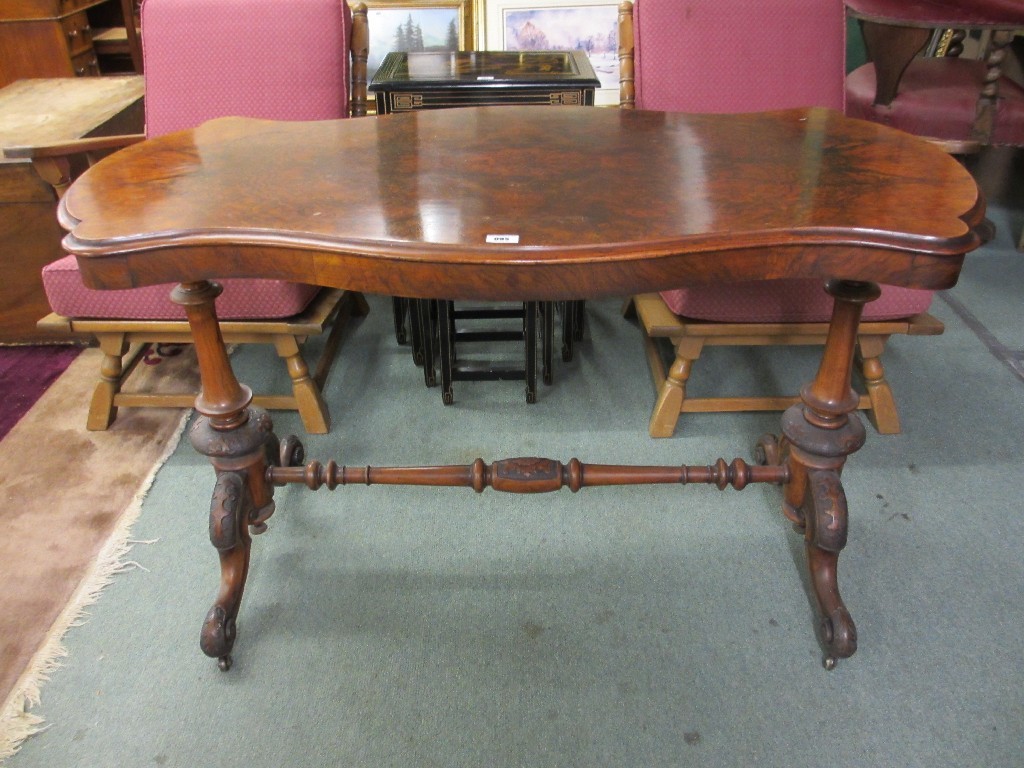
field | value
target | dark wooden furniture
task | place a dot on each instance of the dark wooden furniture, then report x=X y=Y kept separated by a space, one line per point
x=33 y=113
x=432 y=80
x=118 y=42
x=440 y=80
x=46 y=38
x=848 y=202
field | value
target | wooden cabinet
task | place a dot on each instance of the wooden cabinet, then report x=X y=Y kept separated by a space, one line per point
x=436 y=80
x=46 y=38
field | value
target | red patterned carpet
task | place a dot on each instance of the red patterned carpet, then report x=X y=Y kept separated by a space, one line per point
x=26 y=372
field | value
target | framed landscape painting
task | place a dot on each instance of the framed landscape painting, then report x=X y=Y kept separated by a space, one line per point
x=417 y=25
x=557 y=25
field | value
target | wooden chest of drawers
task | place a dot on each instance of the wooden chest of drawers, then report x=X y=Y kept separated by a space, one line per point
x=46 y=38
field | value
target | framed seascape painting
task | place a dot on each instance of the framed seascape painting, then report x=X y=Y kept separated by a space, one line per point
x=417 y=25
x=557 y=25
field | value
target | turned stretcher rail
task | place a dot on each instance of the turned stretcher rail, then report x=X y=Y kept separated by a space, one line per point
x=529 y=475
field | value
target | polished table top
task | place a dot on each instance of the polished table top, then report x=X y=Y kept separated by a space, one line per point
x=514 y=202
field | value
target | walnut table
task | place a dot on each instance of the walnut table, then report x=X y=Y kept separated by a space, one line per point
x=536 y=203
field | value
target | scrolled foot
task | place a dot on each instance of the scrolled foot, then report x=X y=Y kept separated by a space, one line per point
x=258 y=519
x=839 y=635
x=218 y=636
x=770 y=451
x=826 y=520
x=293 y=453
x=766 y=451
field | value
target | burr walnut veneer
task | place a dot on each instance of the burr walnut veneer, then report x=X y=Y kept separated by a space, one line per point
x=534 y=203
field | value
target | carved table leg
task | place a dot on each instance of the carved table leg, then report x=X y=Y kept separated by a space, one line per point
x=237 y=439
x=818 y=436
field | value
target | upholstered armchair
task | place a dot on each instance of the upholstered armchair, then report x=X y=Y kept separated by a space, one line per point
x=741 y=56
x=959 y=101
x=294 y=60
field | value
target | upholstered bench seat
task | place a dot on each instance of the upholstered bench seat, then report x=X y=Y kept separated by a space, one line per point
x=785 y=301
x=242 y=299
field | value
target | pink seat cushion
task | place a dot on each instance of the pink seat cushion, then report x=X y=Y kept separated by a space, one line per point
x=937 y=98
x=785 y=301
x=70 y=298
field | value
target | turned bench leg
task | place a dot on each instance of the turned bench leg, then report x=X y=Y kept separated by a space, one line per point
x=672 y=391
x=309 y=401
x=883 y=413
x=102 y=410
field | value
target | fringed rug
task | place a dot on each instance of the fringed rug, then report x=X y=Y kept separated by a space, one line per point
x=69 y=499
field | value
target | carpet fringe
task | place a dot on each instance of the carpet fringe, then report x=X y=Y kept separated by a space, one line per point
x=17 y=722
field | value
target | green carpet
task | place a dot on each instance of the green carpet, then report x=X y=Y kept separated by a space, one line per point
x=614 y=627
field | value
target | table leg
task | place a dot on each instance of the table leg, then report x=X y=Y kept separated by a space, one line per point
x=445 y=340
x=530 y=349
x=547 y=335
x=399 y=309
x=239 y=441
x=818 y=435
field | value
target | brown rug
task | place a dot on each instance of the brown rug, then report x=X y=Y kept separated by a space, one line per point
x=69 y=497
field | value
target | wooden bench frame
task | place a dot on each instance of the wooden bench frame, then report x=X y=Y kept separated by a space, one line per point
x=689 y=337
x=123 y=341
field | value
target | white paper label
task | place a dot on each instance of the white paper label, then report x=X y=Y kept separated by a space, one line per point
x=502 y=239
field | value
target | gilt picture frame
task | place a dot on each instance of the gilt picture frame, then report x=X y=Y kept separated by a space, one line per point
x=418 y=25
x=589 y=25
